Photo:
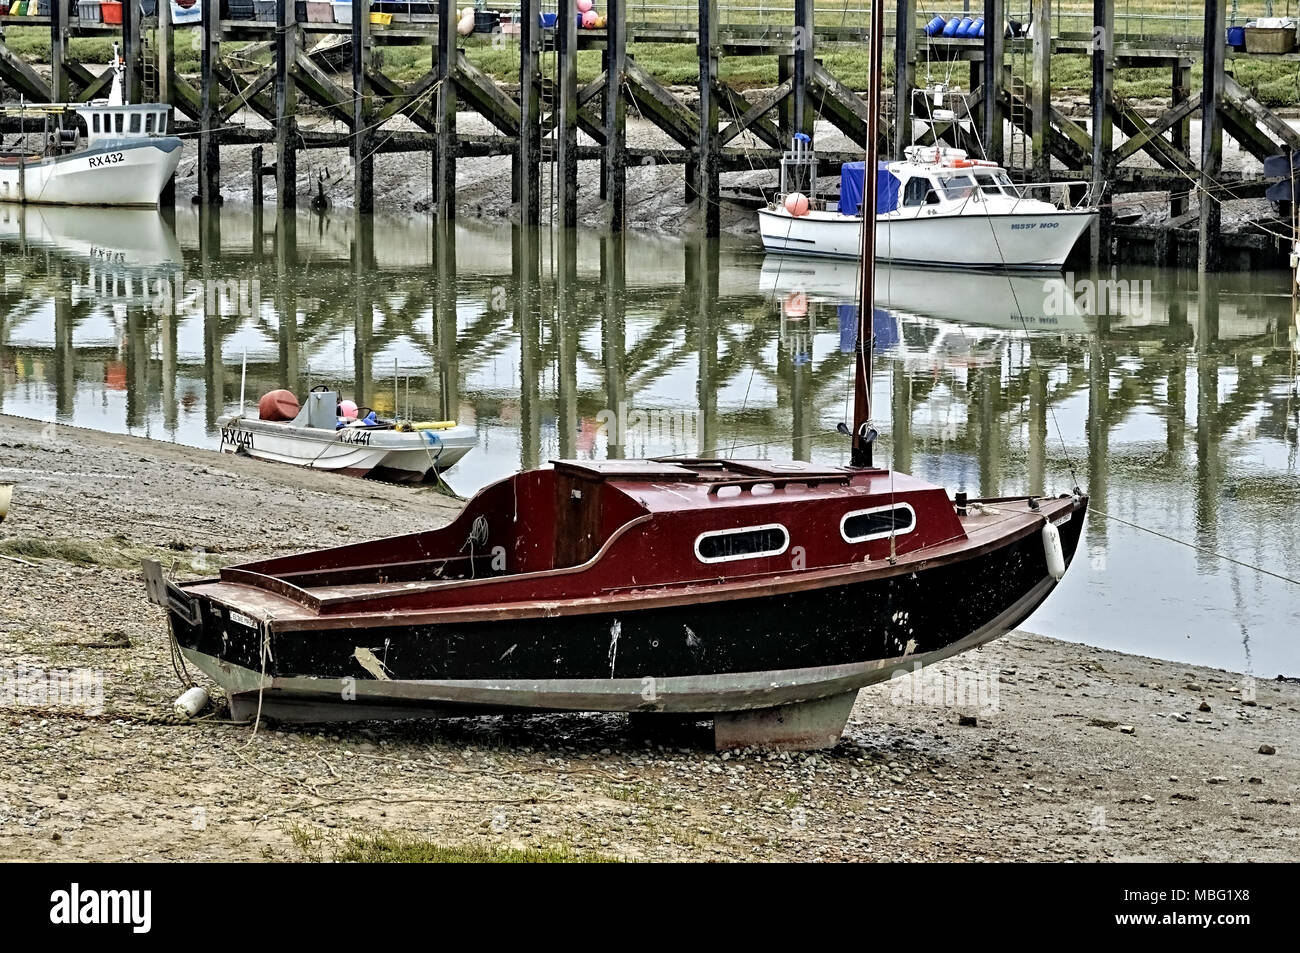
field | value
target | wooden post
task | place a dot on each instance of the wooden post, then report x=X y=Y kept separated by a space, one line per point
x=615 y=113
x=166 y=87
x=994 y=46
x=1212 y=63
x=130 y=49
x=1040 y=92
x=526 y=267
x=1103 y=84
x=210 y=108
x=58 y=53
x=530 y=109
x=286 y=103
x=707 y=189
x=1181 y=134
x=363 y=162
x=804 y=50
x=566 y=131
x=613 y=255
x=444 y=150
x=904 y=74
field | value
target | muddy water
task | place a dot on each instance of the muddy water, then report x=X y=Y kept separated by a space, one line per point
x=1170 y=397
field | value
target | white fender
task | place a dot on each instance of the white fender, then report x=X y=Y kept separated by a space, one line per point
x=1053 y=551
x=191 y=702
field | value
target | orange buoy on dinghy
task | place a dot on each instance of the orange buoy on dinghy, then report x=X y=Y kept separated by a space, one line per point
x=278 y=405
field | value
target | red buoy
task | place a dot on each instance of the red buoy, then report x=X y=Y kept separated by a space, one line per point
x=278 y=405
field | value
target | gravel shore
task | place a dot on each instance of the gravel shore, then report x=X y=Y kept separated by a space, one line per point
x=1061 y=752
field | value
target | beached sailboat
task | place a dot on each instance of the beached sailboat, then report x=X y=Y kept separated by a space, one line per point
x=759 y=594
x=126 y=158
x=936 y=208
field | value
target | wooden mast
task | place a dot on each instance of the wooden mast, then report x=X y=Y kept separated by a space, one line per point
x=862 y=439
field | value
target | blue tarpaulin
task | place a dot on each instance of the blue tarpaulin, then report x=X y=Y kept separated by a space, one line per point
x=851 y=187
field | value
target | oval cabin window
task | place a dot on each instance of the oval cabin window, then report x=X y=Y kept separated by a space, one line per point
x=879 y=522
x=749 y=542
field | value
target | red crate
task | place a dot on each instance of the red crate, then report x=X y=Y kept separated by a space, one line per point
x=112 y=10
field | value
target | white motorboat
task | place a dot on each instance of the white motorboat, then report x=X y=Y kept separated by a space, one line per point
x=937 y=207
x=114 y=153
x=319 y=437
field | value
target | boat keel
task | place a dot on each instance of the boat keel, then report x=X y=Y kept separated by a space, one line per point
x=801 y=726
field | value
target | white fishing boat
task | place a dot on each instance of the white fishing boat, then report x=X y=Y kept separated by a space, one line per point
x=326 y=434
x=112 y=152
x=937 y=207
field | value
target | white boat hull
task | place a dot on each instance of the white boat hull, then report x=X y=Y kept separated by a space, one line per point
x=390 y=454
x=130 y=173
x=1024 y=240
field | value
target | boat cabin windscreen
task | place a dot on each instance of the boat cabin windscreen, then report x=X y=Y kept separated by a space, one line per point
x=956 y=185
x=919 y=191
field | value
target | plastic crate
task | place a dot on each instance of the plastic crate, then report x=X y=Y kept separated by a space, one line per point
x=240 y=9
x=381 y=19
x=88 y=11
x=111 y=10
x=264 y=11
x=342 y=11
x=320 y=11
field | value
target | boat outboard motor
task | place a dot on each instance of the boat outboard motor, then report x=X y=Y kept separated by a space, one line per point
x=323 y=409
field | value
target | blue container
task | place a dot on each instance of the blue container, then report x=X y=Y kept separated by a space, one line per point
x=1237 y=37
x=981 y=30
x=547 y=20
x=935 y=26
x=963 y=28
x=950 y=29
x=976 y=28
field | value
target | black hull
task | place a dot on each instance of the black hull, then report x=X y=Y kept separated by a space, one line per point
x=896 y=617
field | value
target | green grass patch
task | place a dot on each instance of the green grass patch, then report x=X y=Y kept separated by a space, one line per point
x=385 y=848
x=115 y=553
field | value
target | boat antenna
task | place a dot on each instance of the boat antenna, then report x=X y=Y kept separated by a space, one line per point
x=863 y=434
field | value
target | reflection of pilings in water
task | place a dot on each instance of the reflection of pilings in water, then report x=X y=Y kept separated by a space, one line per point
x=137 y=367
x=286 y=293
x=527 y=253
x=1037 y=429
x=1099 y=417
x=65 y=383
x=1208 y=463
x=444 y=318
x=167 y=335
x=991 y=450
x=702 y=273
x=214 y=369
x=566 y=327
x=613 y=261
x=363 y=311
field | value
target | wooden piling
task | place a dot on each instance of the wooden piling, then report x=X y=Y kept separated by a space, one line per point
x=566 y=130
x=164 y=40
x=210 y=108
x=528 y=164
x=131 y=43
x=363 y=162
x=444 y=148
x=1180 y=135
x=904 y=74
x=1212 y=62
x=615 y=114
x=991 y=82
x=1040 y=91
x=708 y=189
x=58 y=53
x=805 y=42
x=1103 y=85
x=286 y=104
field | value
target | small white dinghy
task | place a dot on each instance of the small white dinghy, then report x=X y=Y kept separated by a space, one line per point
x=125 y=159
x=318 y=436
x=937 y=207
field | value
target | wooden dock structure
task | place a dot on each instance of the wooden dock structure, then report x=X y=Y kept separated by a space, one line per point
x=549 y=121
